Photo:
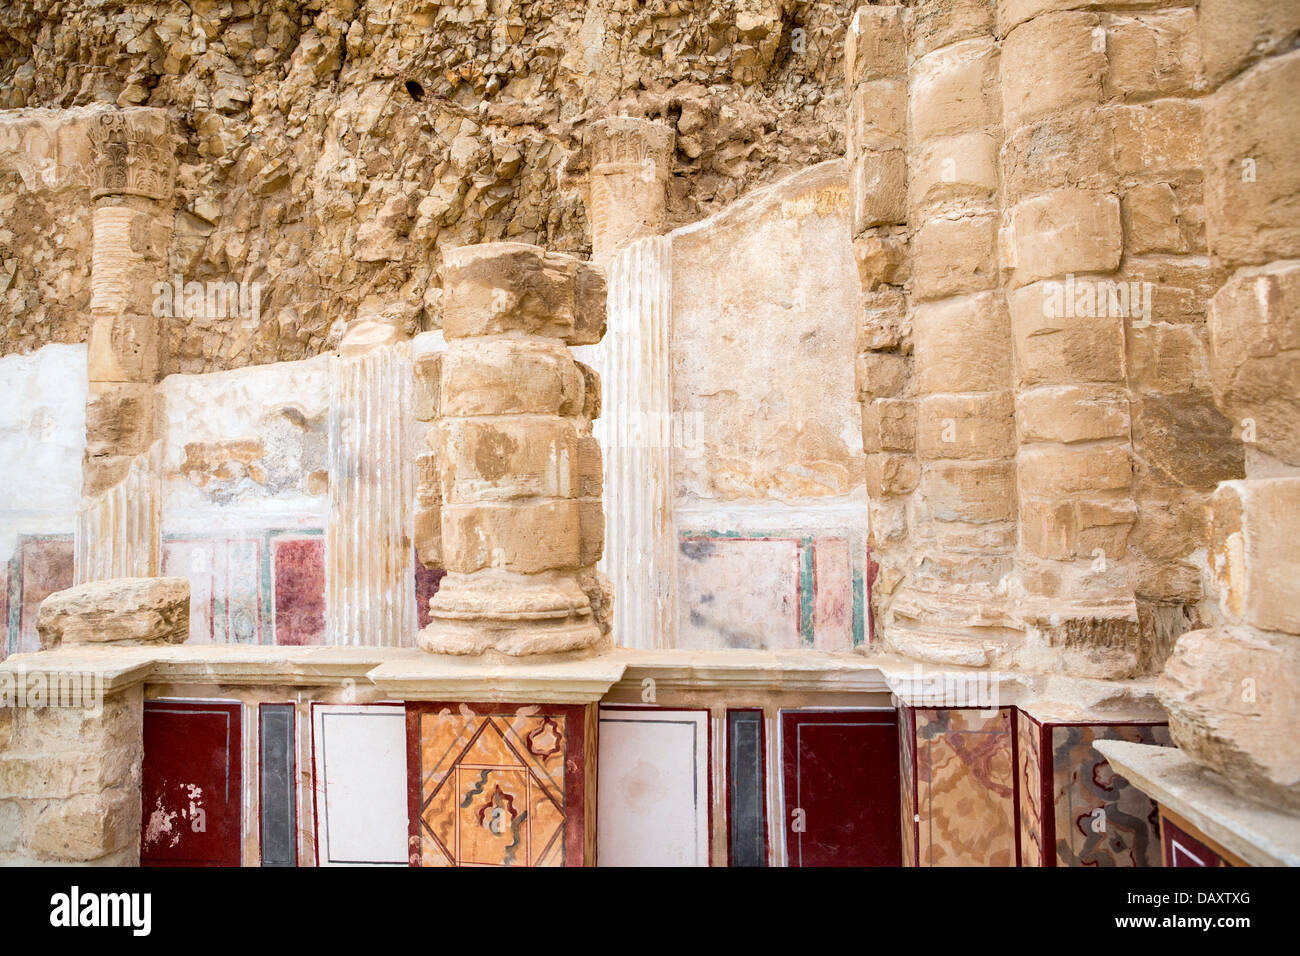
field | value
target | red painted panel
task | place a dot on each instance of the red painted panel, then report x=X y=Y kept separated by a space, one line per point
x=300 y=591
x=427 y=581
x=841 y=771
x=1183 y=849
x=191 y=784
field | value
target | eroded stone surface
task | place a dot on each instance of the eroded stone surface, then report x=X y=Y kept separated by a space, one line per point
x=120 y=611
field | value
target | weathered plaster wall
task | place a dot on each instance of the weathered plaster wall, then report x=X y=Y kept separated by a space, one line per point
x=769 y=481
x=42 y=437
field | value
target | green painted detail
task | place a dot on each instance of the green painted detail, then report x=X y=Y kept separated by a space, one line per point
x=806 y=591
x=859 y=605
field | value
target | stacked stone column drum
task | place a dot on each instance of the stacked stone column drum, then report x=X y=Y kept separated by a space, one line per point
x=630 y=166
x=519 y=527
x=133 y=179
x=1038 y=468
x=1233 y=691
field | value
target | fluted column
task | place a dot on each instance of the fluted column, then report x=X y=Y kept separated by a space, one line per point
x=132 y=183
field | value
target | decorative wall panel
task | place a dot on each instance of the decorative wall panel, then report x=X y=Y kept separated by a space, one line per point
x=191 y=787
x=1030 y=789
x=746 y=788
x=1099 y=819
x=277 y=766
x=359 y=763
x=965 y=787
x=1183 y=845
x=497 y=784
x=841 y=780
x=654 y=787
x=909 y=824
x=41 y=565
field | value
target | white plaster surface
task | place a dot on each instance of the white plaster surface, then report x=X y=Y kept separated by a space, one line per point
x=42 y=441
x=360 y=772
x=653 y=807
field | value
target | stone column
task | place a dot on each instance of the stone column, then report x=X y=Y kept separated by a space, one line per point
x=521 y=525
x=1231 y=690
x=133 y=178
x=631 y=162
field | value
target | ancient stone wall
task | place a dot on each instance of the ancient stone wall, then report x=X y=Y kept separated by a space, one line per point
x=331 y=151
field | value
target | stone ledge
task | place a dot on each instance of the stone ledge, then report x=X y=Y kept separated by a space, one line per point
x=1258 y=834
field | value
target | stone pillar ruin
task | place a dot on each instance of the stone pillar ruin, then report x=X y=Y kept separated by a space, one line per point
x=1230 y=690
x=520 y=524
x=631 y=161
x=133 y=179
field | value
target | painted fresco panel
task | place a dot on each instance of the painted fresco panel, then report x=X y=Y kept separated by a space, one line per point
x=191 y=792
x=740 y=592
x=299 y=590
x=1100 y=819
x=654 y=787
x=496 y=785
x=44 y=566
x=359 y=757
x=965 y=787
x=841 y=775
x=278 y=784
x=746 y=789
x=1030 y=784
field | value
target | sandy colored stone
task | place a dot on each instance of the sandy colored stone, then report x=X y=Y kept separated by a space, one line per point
x=1254 y=554
x=954 y=90
x=1062 y=469
x=879 y=189
x=120 y=611
x=966 y=426
x=1230 y=695
x=875 y=45
x=503 y=458
x=1066 y=231
x=954 y=255
x=1051 y=64
x=501 y=378
x=881 y=374
x=1072 y=413
x=962 y=344
x=1254 y=332
x=1236 y=32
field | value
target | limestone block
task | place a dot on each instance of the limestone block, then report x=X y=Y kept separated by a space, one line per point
x=964 y=166
x=962 y=344
x=1160 y=139
x=1069 y=414
x=889 y=424
x=591 y=531
x=1052 y=470
x=1051 y=64
x=877 y=116
x=1230 y=695
x=120 y=420
x=590 y=392
x=1181 y=440
x=1252 y=176
x=875 y=45
x=1177 y=287
x=890 y=474
x=1254 y=326
x=118 y=611
x=954 y=90
x=952 y=256
x=937 y=23
x=427 y=386
x=1152 y=54
x=87 y=826
x=881 y=375
x=882 y=260
x=879 y=189
x=1063 y=530
x=510 y=378
x=123 y=348
x=500 y=459
x=966 y=426
x=1063 y=350
x=525 y=538
x=974 y=491
x=497 y=287
x=885 y=325
x=591 y=472
x=1152 y=218
x=1072 y=150
x=1254 y=553
x=1069 y=231
x=1236 y=32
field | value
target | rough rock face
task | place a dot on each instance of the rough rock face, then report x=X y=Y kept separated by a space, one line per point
x=120 y=611
x=332 y=151
x=1231 y=698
